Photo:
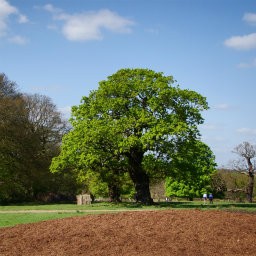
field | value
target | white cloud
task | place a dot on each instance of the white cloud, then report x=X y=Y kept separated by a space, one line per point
x=250 y=18
x=247 y=131
x=89 y=25
x=251 y=64
x=23 y=18
x=18 y=40
x=245 y=42
x=5 y=11
x=51 y=8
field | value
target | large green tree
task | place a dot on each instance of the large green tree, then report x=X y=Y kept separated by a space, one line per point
x=133 y=121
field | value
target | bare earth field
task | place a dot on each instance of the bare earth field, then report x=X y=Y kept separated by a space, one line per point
x=165 y=232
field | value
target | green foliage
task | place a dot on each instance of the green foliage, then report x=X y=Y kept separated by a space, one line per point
x=180 y=189
x=192 y=167
x=92 y=183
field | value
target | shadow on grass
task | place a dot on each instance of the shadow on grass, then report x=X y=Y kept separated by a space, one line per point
x=157 y=205
x=198 y=205
x=185 y=205
x=36 y=203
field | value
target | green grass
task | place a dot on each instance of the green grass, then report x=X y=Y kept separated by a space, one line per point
x=12 y=219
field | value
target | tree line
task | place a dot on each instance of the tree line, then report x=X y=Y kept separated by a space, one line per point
x=31 y=130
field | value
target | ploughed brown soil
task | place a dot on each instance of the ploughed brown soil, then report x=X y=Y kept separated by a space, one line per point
x=167 y=232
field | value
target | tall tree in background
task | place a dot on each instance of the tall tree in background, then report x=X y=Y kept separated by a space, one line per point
x=144 y=114
x=46 y=127
x=31 y=130
x=248 y=152
x=13 y=127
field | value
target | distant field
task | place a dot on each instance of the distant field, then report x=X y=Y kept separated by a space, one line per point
x=20 y=214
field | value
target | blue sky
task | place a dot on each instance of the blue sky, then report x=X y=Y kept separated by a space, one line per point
x=63 y=48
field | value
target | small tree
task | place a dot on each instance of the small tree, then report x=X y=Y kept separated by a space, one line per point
x=248 y=152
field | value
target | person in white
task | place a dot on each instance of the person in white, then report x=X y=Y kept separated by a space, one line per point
x=205 y=197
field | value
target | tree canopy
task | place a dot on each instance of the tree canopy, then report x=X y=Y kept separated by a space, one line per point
x=136 y=119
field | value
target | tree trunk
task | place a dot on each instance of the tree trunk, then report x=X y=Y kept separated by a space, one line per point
x=139 y=177
x=92 y=197
x=250 y=188
x=114 y=189
x=251 y=181
x=114 y=193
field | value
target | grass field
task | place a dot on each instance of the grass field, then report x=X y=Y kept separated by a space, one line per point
x=19 y=214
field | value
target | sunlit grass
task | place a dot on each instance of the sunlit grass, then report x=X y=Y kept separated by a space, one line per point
x=12 y=219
